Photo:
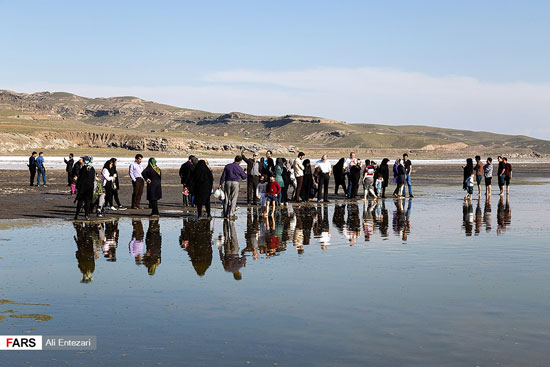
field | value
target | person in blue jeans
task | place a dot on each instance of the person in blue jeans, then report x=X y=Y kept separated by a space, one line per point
x=408 y=170
x=41 y=169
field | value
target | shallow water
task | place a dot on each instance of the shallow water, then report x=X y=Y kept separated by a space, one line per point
x=427 y=281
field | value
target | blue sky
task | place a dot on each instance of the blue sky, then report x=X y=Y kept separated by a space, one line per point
x=308 y=57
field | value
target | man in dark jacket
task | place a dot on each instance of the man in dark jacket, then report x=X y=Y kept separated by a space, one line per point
x=32 y=167
x=253 y=170
x=69 y=169
x=267 y=166
x=186 y=170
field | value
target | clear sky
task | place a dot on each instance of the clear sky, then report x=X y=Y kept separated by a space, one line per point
x=479 y=65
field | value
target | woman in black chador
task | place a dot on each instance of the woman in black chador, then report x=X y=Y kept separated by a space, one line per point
x=339 y=178
x=384 y=172
x=307 y=185
x=202 y=182
x=85 y=187
x=152 y=176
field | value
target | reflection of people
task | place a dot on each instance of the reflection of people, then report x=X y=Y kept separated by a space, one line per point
x=136 y=243
x=196 y=239
x=504 y=214
x=85 y=253
x=231 y=260
x=487 y=214
x=153 y=242
x=468 y=217
x=251 y=234
x=352 y=230
x=321 y=228
x=478 y=217
x=110 y=240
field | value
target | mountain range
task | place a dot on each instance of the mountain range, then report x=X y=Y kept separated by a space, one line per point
x=62 y=120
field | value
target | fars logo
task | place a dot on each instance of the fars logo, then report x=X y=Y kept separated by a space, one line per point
x=20 y=342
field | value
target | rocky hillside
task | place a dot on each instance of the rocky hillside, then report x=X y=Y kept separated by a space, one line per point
x=133 y=123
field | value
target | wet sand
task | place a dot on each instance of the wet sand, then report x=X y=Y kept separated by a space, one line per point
x=19 y=200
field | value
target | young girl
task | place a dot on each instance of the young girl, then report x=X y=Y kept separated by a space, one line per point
x=378 y=184
x=261 y=193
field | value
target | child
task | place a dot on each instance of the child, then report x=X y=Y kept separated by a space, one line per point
x=98 y=198
x=378 y=183
x=185 y=193
x=470 y=181
x=273 y=189
x=488 y=173
x=368 y=180
x=261 y=193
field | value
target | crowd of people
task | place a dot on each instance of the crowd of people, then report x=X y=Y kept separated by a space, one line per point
x=270 y=182
x=475 y=175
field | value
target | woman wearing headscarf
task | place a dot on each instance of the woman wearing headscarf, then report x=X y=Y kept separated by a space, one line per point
x=85 y=187
x=395 y=176
x=279 y=171
x=116 y=185
x=468 y=169
x=152 y=176
x=384 y=172
x=202 y=182
x=307 y=185
x=401 y=177
x=107 y=181
x=339 y=178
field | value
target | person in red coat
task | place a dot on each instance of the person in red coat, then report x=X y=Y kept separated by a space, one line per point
x=273 y=190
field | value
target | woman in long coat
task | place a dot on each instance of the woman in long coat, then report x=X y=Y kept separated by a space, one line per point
x=152 y=176
x=85 y=187
x=307 y=184
x=384 y=172
x=202 y=182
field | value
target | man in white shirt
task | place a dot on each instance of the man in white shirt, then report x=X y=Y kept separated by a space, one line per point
x=325 y=170
x=299 y=174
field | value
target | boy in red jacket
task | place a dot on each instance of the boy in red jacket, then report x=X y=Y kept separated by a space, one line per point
x=273 y=189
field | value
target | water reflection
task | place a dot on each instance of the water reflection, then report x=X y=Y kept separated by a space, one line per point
x=311 y=227
x=401 y=222
x=108 y=233
x=474 y=219
x=230 y=257
x=196 y=239
x=504 y=214
x=153 y=243
x=136 y=244
x=87 y=236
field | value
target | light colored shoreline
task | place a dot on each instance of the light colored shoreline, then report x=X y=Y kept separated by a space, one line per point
x=19 y=163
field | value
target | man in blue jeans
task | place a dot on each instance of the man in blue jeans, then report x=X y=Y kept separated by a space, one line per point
x=41 y=168
x=408 y=171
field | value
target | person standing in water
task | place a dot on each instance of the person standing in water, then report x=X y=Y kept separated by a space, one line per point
x=231 y=176
x=488 y=173
x=408 y=172
x=152 y=175
x=507 y=174
x=479 y=174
